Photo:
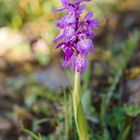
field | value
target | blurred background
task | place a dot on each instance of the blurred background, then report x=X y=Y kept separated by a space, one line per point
x=35 y=100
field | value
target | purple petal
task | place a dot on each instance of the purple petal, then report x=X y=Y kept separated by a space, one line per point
x=88 y=16
x=60 y=36
x=69 y=32
x=81 y=8
x=73 y=61
x=68 y=53
x=81 y=63
x=93 y=23
x=60 y=25
x=69 y=18
x=58 y=10
x=65 y=2
x=91 y=34
x=60 y=45
x=84 y=46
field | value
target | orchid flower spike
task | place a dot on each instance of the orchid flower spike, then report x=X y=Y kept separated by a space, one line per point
x=75 y=37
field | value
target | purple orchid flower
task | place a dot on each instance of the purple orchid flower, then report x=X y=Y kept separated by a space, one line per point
x=75 y=35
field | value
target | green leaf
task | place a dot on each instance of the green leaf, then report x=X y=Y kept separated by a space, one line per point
x=32 y=134
x=80 y=119
x=86 y=102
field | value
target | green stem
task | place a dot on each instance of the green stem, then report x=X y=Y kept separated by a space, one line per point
x=80 y=120
x=66 y=118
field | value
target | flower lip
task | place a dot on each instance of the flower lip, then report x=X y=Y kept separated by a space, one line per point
x=81 y=63
x=84 y=46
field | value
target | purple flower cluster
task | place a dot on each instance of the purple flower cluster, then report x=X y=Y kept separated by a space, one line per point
x=75 y=34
